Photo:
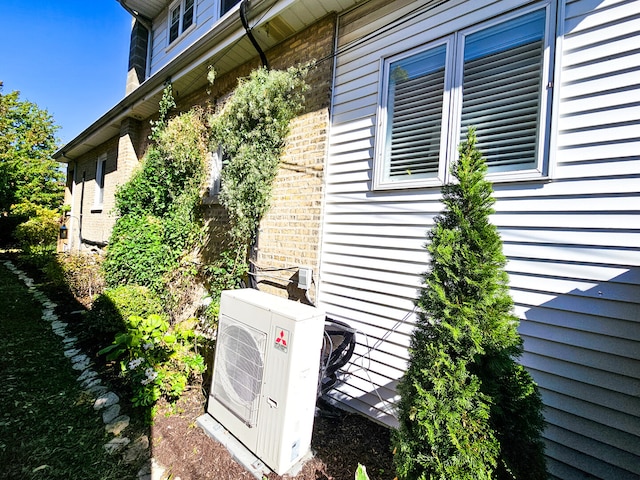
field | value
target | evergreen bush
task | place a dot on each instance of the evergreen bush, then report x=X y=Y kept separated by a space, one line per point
x=467 y=410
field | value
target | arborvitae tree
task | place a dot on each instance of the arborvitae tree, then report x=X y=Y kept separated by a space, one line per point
x=467 y=410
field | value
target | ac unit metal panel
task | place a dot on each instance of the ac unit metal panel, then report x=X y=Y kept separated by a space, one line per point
x=285 y=337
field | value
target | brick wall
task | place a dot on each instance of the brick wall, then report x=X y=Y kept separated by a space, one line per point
x=93 y=224
x=97 y=223
x=290 y=232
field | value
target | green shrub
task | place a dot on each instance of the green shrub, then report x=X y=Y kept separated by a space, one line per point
x=156 y=360
x=137 y=253
x=158 y=206
x=467 y=410
x=114 y=306
x=80 y=273
x=38 y=234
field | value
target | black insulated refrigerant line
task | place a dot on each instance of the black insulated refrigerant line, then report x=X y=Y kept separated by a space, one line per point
x=254 y=42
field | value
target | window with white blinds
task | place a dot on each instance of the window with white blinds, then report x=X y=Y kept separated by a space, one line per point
x=501 y=90
x=489 y=77
x=414 y=105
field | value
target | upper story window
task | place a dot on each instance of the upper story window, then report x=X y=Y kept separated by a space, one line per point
x=492 y=76
x=181 y=17
x=226 y=5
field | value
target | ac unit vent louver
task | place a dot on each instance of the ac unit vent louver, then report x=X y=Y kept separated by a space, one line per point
x=241 y=364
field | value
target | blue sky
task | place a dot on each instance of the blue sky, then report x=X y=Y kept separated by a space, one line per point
x=67 y=56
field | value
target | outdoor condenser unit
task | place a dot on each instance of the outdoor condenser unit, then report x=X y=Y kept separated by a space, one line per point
x=265 y=374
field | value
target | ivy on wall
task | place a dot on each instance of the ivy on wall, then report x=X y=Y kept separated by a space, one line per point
x=251 y=128
x=158 y=207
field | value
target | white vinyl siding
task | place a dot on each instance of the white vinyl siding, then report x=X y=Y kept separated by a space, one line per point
x=573 y=244
x=162 y=49
x=500 y=69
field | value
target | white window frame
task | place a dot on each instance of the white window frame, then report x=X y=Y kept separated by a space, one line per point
x=215 y=172
x=180 y=5
x=101 y=174
x=216 y=161
x=452 y=106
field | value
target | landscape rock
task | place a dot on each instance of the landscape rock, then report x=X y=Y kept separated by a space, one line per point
x=91 y=382
x=97 y=390
x=152 y=471
x=106 y=400
x=80 y=362
x=118 y=425
x=71 y=352
x=136 y=449
x=116 y=445
x=88 y=373
x=110 y=413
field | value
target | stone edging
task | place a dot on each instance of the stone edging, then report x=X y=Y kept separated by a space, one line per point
x=106 y=401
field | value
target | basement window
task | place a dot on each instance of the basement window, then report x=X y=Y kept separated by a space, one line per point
x=181 y=17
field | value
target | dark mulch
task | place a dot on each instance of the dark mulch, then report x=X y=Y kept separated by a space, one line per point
x=340 y=439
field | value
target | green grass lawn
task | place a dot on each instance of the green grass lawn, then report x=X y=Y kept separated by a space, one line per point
x=48 y=428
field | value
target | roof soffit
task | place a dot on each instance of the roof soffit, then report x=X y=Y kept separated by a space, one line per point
x=147 y=8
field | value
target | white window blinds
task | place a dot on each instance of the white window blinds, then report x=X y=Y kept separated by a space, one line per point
x=414 y=106
x=502 y=89
x=490 y=78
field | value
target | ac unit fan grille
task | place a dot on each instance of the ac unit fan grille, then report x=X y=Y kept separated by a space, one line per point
x=238 y=371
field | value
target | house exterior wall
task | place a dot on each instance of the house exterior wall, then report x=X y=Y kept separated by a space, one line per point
x=290 y=231
x=571 y=238
x=289 y=235
x=88 y=226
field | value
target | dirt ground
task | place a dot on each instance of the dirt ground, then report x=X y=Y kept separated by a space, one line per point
x=340 y=441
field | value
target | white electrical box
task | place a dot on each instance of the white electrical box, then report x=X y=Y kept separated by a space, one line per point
x=305 y=276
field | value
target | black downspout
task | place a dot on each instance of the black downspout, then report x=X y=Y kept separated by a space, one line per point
x=254 y=42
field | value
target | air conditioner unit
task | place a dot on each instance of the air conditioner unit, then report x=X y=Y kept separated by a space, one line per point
x=265 y=374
